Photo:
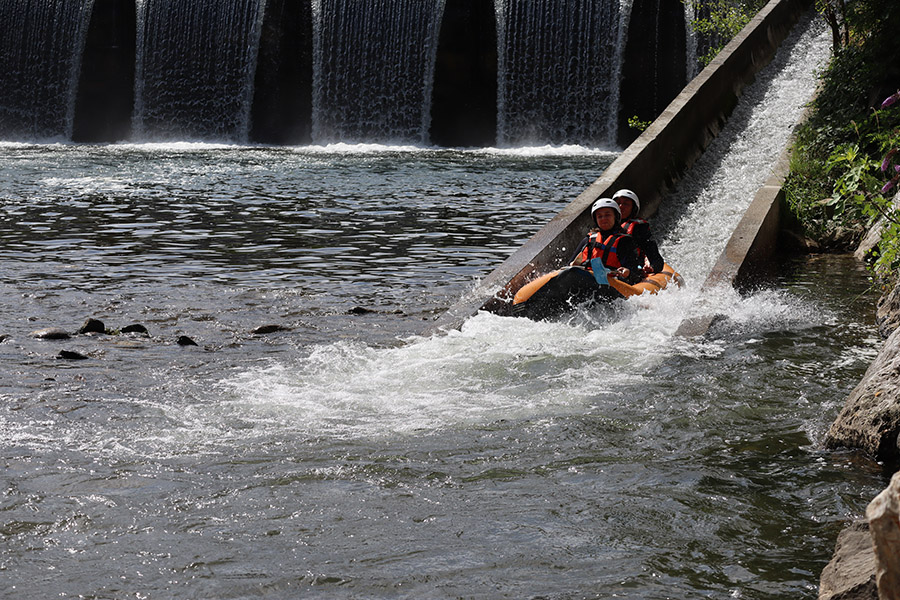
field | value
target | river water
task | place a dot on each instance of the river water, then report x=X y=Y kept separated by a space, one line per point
x=349 y=455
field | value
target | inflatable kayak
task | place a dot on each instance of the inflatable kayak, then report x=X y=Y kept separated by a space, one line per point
x=555 y=293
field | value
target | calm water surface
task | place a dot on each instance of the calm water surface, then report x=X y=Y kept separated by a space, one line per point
x=350 y=457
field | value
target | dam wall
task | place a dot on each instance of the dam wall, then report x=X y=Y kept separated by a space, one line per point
x=651 y=165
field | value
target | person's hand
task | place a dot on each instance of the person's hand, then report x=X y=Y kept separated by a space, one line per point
x=621 y=273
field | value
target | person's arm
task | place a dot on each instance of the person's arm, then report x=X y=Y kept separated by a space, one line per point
x=651 y=251
x=627 y=254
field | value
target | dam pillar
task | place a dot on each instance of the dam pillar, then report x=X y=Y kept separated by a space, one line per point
x=105 y=98
x=464 y=98
x=282 y=101
x=654 y=68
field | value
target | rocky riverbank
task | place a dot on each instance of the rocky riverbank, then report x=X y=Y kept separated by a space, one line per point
x=866 y=562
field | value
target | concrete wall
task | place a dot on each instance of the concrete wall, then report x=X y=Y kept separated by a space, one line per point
x=651 y=165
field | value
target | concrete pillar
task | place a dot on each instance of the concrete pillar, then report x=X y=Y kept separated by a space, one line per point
x=464 y=99
x=105 y=99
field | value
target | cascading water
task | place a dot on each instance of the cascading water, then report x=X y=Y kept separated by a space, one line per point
x=373 y=69
x=707 y=204
x=195 y=67
x=692 y=66
x=40 y=54
x=558 y=64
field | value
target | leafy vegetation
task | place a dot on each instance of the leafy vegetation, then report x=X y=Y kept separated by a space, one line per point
x=718 y=21
x=636 y=123
x=845 y=164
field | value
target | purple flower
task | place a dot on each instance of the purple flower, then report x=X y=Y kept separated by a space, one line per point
x=890 y=100
x=887 y=187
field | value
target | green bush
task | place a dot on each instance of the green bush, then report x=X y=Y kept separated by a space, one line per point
x=718 y=21
x=844 y=153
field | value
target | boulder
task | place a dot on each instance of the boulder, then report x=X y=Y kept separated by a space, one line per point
x=50 y=333
x=135 y=328
x=870 y=418
x=883 y=514
x=887 y=312
x=870 y=242
x=851 y=573
x=92 y=326
x=264 y=329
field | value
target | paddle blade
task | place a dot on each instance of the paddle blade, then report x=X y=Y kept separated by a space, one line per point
x=600 y=271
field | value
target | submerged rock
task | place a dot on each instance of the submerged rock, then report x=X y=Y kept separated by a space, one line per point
x=264 y=329
x=71 y=355
x=870 y=418
x=92 y=326
x=883 y=514
x=185 y=341
x=51 y=333
x=135 y=328
x=851 y=573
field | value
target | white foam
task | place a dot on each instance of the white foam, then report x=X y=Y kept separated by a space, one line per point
x=548 y=150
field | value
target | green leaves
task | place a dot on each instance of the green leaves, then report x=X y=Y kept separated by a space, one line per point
x=721 y=20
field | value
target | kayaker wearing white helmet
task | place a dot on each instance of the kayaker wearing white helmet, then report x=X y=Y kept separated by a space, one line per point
x=609 y=243
x=647 y=249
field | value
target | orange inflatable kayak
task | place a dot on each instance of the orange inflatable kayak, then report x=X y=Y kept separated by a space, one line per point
x=559 y=291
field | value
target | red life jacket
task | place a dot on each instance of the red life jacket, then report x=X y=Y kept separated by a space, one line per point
x=604 y=247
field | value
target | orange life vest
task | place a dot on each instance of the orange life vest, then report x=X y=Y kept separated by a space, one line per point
x=604 y=247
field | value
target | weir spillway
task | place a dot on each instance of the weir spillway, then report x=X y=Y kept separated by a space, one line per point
x=452 y=73
x=669 y=170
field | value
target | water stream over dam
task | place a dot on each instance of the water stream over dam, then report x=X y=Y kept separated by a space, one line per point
x=445 y=72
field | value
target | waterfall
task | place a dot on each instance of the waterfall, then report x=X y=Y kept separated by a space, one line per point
x=558 y=62
x=373 y=69
x=692 y=65
x=40 y=57
x=195 y=68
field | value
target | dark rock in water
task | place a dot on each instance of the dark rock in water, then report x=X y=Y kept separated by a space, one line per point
x=92 y=326
x=135 y=328
x=360 y=310
x=50 y=333
x=263 y=329
x=3 y=338
x=185 y=341
x=70 y=355
x=792 y=241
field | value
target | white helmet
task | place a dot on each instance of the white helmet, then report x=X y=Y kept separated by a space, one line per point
x=606 y=203
x=631 y=196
